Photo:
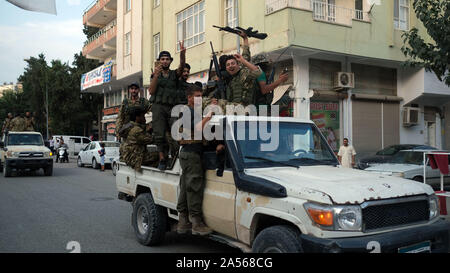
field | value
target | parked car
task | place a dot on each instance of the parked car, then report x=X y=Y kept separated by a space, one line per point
x=90 y=155
x=409 y=164
x=385 y=155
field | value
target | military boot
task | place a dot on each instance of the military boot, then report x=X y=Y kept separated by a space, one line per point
x=184 y=226
x=199 y=227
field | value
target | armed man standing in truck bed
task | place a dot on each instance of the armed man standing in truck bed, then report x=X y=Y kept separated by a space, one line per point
x=165 y=94
x=192 y=180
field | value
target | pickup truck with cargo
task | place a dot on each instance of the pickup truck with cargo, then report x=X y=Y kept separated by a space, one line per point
x=295 y=197
x=24 y=151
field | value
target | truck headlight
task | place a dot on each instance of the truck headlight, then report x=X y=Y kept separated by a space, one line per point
x=12 y=154
x=339 y=218
x=434 y=206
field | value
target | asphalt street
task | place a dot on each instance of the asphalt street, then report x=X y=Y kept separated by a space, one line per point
x=41 y=214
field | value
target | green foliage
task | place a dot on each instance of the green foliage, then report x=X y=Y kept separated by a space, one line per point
x=69 y=112
x=435 y=16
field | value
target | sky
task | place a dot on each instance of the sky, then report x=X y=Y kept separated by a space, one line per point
x=25 y=34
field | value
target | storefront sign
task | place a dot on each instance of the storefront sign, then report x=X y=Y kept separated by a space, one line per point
x=326 y=116
x=97 y=76
x=111 y=111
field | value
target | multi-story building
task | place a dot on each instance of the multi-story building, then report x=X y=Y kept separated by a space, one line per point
x=344 y=58
x=10 y=86
x=118 y=45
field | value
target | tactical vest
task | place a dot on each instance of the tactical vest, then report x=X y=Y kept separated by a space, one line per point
x=240 y=91
x=167 y=90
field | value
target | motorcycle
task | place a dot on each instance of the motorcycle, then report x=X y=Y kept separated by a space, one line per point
x=62 y=155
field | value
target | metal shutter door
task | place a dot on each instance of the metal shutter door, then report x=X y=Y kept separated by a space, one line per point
x=366 y=127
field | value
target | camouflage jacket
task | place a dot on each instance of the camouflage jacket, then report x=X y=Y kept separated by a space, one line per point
x=29 y=124
x=243 y=86
x=6 y=125
x=134 y=149
x=124 y=113
x=18 y=124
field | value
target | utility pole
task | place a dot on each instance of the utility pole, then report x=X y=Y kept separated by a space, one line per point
x=46 y=98
x=238 y=43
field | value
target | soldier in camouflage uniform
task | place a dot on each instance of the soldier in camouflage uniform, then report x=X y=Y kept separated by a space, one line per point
x=165 y=94
x=124 y=113
x=242 y=87
x=7 y=124
x=29 y=122
x=135 y=152
x=18 y=124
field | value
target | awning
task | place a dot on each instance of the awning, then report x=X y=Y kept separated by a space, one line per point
x=436 y=100
x=377 y=97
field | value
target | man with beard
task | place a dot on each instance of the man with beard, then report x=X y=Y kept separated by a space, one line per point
x=165 y=94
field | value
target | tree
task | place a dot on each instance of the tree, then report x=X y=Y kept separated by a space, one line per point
x=434 y=55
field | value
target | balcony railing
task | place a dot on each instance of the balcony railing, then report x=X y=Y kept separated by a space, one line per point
x=321 y=10
x=101 y=32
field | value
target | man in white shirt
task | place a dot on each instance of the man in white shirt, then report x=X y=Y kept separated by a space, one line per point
x=346 y=155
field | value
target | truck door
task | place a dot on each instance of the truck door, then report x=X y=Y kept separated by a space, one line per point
x=219 y=202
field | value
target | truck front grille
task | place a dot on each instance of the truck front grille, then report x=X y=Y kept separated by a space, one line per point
x=395 y=212
x=31 y=154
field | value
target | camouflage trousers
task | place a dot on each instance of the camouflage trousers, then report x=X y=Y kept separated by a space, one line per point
x=192 y=184
x=162 y=123
x=136 y=160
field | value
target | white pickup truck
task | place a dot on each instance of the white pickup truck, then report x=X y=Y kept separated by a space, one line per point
x=295 y=198
x=24 y=151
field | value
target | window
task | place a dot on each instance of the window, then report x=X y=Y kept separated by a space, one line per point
x=401 y=14
x=359 y=10
x=127 y=5
x=156 y=3
x=127 y=44
x=191 y=25
x=231 y=13
x=76 y=140
x=156 y=45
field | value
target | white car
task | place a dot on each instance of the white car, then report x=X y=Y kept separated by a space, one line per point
x=90 y=154
x=409 y=164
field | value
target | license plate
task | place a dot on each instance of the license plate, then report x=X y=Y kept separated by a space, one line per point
x=424 y=247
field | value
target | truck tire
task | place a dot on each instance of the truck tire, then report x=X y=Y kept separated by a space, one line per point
x=48 y=171
x=278 y=239
x=6 y=171
x=148 y=220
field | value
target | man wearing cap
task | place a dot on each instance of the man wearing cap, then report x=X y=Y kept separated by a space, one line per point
x=134 y=100
x=165 y=94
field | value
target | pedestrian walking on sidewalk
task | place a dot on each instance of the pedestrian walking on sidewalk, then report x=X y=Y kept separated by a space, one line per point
x=102 y=153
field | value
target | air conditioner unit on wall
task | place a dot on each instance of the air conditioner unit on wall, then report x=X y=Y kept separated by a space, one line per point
x=344 y=80
x=410 y=116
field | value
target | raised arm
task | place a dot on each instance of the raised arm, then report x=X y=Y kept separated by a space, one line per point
x=182 y=59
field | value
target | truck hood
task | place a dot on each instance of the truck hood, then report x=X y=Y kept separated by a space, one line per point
x=28 y=148
x=339 y=185
x=393 y=168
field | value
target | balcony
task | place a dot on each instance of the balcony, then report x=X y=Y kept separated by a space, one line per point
x=100 y=12
x=321 y=11
x=103 y=44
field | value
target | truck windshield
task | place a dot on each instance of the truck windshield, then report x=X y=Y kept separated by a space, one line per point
x=24 y=139
x=291 y=144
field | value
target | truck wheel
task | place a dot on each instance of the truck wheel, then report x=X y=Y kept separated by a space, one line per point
x=94 y=164
x=48 y=171
x=6 y=171
x=278 y=239
x=418 y=179
x=148 y=220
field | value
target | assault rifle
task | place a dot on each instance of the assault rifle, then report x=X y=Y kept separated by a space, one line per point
x=249 y=31
x=221 y=89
